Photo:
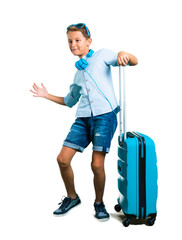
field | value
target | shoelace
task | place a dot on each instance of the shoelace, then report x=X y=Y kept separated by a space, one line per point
x=65 y=202
x=101 y=208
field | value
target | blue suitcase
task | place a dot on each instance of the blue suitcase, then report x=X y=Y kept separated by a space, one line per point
x=137 y=168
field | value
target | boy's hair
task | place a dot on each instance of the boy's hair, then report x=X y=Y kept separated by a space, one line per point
x=83 y=30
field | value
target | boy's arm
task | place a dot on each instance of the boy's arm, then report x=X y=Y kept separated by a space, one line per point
x=59 y=100
x=42 y=92
x=124 y=58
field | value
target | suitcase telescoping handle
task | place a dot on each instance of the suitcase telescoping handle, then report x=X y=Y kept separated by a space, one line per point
x=122 y=103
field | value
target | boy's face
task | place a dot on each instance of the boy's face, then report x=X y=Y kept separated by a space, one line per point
x=78 y=44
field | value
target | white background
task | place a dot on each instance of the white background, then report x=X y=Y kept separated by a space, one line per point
x=33 y=48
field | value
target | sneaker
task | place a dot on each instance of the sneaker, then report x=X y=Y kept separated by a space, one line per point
x=66 y=205
x=101 y=213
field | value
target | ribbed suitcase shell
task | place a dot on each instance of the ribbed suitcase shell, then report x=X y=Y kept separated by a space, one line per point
x=138 y=194
x=137 y=168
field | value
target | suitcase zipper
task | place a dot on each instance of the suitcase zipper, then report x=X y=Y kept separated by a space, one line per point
x=142 y=175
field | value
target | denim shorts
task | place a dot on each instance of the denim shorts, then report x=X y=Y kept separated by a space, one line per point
x=99 y=130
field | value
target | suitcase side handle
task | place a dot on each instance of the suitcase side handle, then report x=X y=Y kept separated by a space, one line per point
x=122 y=104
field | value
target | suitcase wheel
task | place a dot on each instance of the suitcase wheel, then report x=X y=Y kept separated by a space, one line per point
x=117 y=208
x=151 y=221
x=126 y=222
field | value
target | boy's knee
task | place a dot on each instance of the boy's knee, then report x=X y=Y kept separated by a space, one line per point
x=97 y=167
x=97 y=164
x=62 y=161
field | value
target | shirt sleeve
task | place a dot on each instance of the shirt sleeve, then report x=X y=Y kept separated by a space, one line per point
x=110 y=58
x=73 y=96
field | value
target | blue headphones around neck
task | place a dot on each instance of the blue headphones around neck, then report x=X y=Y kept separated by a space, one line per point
x=82 y=63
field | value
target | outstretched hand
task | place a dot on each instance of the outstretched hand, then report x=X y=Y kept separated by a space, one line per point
x=39 y=92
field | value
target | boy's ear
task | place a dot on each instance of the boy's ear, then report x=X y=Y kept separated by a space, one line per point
x=89 y=41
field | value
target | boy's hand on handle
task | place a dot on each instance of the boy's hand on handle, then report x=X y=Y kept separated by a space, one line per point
x=39 y=92
x=122 y=59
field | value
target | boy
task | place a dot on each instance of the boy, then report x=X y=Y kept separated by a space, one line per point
x=96 y=119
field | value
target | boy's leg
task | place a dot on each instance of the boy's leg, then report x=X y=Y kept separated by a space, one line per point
x=72 y=200
x=64 y=161
x=99 y=174
x=99 y=184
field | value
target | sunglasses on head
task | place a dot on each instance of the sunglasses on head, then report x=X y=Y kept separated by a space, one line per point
x=79 y=25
